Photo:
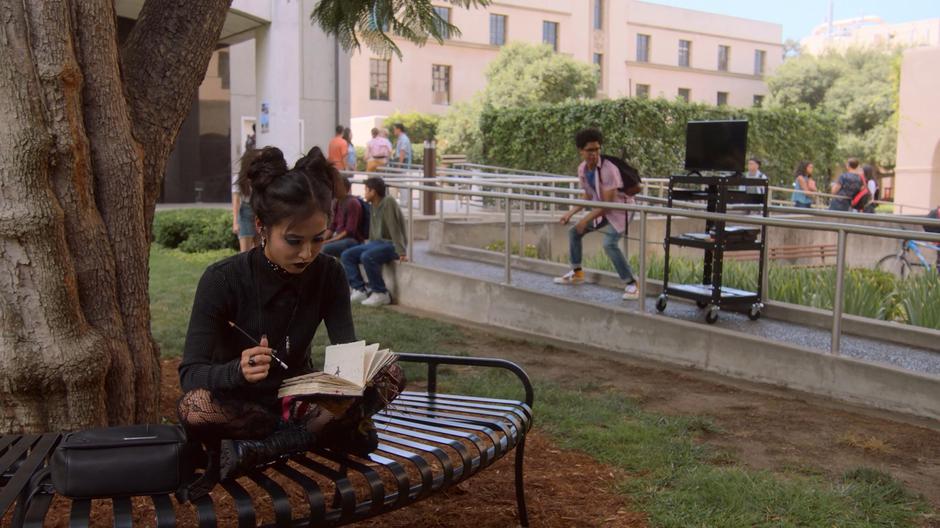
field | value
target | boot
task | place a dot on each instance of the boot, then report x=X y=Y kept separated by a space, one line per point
x=237 y=457
x=203 y=484
x=356 y=439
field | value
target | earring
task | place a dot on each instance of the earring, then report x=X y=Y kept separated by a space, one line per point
x=263 y=239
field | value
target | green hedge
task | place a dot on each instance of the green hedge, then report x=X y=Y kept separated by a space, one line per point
x=651 y=134
x=195 y=230
x=419 y=126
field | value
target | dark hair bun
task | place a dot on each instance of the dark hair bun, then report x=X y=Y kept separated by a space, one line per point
x=265 y=168
x=316 y=167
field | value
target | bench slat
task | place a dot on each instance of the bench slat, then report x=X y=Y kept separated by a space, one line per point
x=27 y=468
x=424 y=469
x=372 y=477
x=315 y=499
x=282 y=509
x=205 y=510
x=401 y=496
x=244 y=506
x=166 y=515
x=468 y=462
x=344 y=488
x=485 y=452
x=79 y=515
x=121 y=508
x=461 y=420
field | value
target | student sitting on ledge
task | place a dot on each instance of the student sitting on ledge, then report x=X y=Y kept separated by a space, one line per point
x=387 y=242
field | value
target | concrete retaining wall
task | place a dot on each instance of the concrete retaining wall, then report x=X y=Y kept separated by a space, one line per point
x=900 y=333
x=659 y=338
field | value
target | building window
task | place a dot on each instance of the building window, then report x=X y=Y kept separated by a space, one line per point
x=378 y=79
x=642 y=48
x=723 y=53
x=550 y=34
x=598 y=14
x=440 y=84
x=758 y=101
x=643 y=91
x=722 y=99
x=685 y=94
x=760 y=58
x=599 y=62
x=497 y=30
x=685 y=53
x=444 y=14
x=224 y=74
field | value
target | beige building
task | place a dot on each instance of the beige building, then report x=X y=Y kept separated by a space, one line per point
x=871 y=31
x=642 y=49
x=917 y=175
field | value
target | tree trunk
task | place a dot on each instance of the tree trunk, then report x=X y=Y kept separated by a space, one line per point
x=84 y=140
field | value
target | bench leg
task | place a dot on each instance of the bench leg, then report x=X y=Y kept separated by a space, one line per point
x=520 y=484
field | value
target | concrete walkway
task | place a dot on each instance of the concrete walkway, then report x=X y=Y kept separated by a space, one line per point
x=905 y=357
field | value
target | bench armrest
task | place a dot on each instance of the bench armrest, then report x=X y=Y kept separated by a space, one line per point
x=433 y=361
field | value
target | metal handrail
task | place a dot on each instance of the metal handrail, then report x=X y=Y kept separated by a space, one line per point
x=842 y=230
x=894 y=219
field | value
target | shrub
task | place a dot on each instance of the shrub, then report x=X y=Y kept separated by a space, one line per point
x=419 y=127
x=651 y=134
x=194 y=230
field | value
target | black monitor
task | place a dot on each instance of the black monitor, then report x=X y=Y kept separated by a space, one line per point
x=715 y=145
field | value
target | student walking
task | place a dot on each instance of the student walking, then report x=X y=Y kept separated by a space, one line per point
x=601 y=181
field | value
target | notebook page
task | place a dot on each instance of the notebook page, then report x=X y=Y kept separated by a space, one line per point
x=345 y=361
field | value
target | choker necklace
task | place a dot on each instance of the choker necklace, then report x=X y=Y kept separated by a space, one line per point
x=281 y=272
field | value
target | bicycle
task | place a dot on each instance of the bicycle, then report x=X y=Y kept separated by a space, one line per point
x=902 y=263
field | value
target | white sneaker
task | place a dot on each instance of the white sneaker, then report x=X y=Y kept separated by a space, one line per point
x=377 y=299
x=357 y=296
x=631 y=293
x=572 y=277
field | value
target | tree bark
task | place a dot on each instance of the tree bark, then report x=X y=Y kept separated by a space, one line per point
x=51 y=370
x=72 y=179
x=83 y=147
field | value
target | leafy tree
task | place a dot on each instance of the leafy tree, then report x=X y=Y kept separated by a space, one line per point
x=375 y=22
x=521 y=75
x=87 y=130
x=858 y=86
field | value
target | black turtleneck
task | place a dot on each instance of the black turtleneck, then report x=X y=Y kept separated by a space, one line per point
x=261 y=298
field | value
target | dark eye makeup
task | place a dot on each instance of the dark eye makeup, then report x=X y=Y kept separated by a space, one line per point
x=319 y=238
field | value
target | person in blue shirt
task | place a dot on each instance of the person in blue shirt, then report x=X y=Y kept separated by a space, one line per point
x=403 y=151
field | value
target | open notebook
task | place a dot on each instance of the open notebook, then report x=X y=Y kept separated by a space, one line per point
x=347 y=371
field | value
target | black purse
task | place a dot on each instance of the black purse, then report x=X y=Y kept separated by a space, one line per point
x=122 y=461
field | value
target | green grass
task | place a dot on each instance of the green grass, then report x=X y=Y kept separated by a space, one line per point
x=672 y=474
x=173 y=279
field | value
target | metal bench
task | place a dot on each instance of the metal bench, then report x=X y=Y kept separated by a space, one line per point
x=428 y=442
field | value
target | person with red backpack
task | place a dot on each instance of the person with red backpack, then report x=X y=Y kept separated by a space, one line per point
x=603 y=181
x=344 y=231
x=851 y=189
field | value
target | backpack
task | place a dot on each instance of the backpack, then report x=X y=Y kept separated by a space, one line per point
x=628 y=175
x=364 y=218
x=861 y=198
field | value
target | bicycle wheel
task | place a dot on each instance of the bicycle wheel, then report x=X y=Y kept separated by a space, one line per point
x=896 y=264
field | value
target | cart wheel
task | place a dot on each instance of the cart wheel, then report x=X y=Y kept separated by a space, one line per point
x=661 y=303
x=711 y=315
x=701 y=304
x=754 y=313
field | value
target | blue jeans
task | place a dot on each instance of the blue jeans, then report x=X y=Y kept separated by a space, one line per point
x=371 y=255
x=335 y=249
x=611 y=247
